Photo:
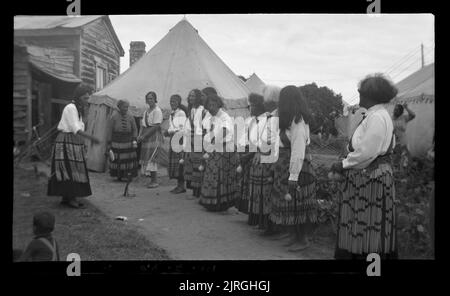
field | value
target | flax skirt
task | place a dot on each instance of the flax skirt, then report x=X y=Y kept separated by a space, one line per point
x=303 y=207
x=246 y=162
x=151 y=146
x=220 y=188
x=260 y=189
x=367 y=218
x=69 y=174
x=125 y=156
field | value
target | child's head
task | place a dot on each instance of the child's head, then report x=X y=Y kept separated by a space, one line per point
x=43 y=223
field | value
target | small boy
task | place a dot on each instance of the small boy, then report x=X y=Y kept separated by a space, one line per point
x=43 y=247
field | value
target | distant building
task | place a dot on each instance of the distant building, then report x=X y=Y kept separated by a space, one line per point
x=52 y=55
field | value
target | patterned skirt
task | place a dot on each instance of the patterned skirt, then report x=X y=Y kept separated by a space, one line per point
x=151 y=146
x=242 y=201
x=125 y=156
x=260 y=189
x=220 y=187
x=303 y=207
x=175 y=169
x=367 y=218
x=69 y=174
x=192 y=175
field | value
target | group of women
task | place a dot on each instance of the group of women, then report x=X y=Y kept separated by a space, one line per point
x=276 y=187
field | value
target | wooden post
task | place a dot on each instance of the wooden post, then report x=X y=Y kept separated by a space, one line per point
x=45 y=106
x=423 y=58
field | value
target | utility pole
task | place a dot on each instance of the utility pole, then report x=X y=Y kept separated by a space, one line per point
x=423 y=58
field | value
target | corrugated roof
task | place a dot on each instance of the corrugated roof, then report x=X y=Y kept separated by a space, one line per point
x=56 y=62
x=51 y=22
x=23 y=23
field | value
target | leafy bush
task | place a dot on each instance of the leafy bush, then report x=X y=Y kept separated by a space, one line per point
x=413 y=194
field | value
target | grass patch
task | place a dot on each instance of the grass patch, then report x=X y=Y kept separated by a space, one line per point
x=88 y=232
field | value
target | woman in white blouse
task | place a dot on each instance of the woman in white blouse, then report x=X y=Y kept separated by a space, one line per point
x=69 y=174
x=177 y=120
x=220 y=186
x=294 y=203
x=193 y=156
x=261 y=137
x=367 y=220
x=151 y=137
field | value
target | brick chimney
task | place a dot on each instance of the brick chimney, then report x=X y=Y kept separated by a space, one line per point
x=137 y=50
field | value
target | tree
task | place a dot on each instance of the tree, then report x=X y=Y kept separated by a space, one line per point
x=325 y=106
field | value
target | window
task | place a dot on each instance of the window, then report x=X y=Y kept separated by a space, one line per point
x=100 y=78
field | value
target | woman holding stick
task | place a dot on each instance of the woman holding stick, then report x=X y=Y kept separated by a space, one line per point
x=151 y=137
x=69 y=174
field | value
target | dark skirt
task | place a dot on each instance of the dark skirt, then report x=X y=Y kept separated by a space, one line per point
x=193 y=176
x=242 y=201
x=69 y=174
x=303 y=207
x=220 y=187
x=125 y=156
x=367 y=213
x=175 y=168
x=260 y=189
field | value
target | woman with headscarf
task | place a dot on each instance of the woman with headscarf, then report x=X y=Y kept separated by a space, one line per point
x=177 y=120
x=122 y=136
x=193 y=157
x=294 y=204
x=151 y=137
x=367 y=218
x=69 y=174
x=220 y=187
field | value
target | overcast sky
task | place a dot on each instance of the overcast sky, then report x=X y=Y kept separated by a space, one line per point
x=330 y=49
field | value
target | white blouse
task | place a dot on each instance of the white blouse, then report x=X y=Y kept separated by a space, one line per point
x=215 y=124
x=263 y=133
x=196 y=117
x=371 y=138
x=153 y=117
x=298 y=134
x=177 y=121
x=70 y=121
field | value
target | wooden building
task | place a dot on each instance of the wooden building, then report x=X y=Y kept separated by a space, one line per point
x=52 y=55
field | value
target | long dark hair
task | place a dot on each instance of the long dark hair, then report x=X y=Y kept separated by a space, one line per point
x=198 y=98
x=292 y=106
x=80 y=91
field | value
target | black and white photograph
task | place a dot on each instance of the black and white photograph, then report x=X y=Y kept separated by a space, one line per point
x=256 y=136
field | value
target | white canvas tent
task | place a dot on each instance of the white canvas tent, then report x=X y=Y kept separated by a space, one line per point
x=417 y=90
x=255 y=84
x=178 y=63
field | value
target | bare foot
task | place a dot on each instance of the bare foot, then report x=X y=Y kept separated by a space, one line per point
x=298 y=246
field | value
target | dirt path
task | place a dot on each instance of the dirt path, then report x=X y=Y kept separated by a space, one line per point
x=178 y=224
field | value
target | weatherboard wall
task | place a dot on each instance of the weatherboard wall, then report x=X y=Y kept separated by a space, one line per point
x=98 y=49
